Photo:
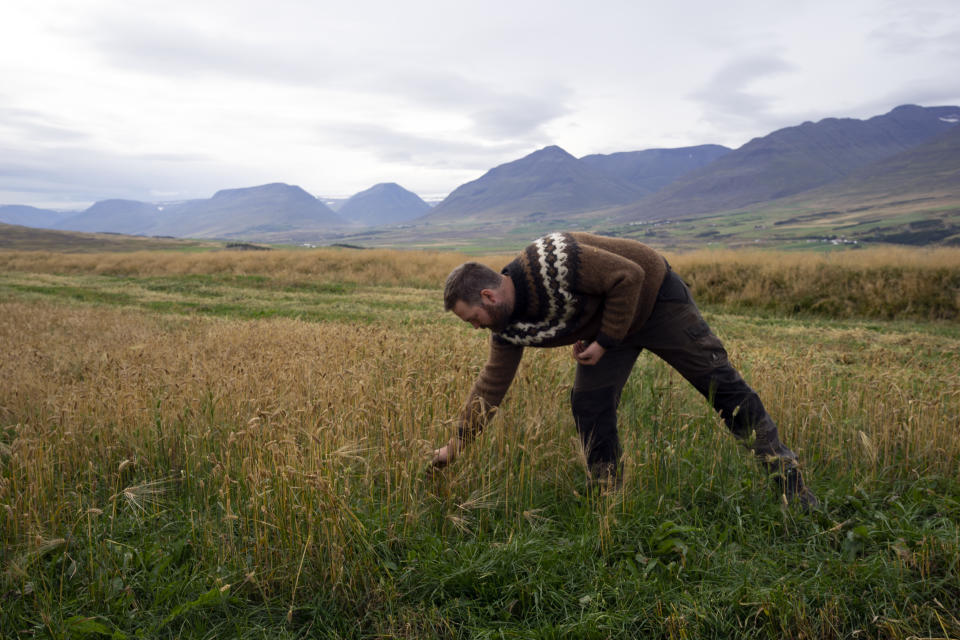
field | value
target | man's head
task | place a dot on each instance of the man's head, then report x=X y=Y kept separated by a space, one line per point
x=478 y=295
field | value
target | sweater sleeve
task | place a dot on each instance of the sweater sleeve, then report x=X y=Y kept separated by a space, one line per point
x=619 y=281
x=490 y=388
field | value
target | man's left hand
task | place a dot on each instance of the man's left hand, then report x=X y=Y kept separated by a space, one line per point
x=589 y=355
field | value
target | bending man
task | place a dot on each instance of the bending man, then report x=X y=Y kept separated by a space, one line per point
x=610 y=298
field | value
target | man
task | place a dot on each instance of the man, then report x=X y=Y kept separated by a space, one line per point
x=610 y=298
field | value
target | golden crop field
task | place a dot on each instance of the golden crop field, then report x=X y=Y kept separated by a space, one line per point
x=221 y=444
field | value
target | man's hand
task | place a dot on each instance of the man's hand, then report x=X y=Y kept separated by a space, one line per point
x=442 y=457
x=588 y=355
x=446 y=454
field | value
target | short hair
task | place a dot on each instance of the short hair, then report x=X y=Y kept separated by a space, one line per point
x=466 y=282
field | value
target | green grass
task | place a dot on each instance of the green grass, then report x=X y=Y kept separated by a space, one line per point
x=234 y=296
x=508 y=542
x=703 y=550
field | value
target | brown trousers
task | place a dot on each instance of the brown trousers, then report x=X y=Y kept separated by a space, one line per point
x=677 y=333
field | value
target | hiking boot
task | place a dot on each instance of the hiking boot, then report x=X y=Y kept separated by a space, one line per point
x=790 y=482
x=605 y=478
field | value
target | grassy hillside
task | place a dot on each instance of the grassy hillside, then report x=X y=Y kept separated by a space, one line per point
x=823 y=220
x=31 y=239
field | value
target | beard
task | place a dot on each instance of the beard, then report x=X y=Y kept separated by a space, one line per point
x=499 y=316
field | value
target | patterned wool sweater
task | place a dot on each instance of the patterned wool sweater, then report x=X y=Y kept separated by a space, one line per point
x=569 y=287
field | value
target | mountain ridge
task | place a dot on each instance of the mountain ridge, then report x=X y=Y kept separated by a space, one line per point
x=383 y=203
x=650 y=170
x=23 y=215
x=247 y=211
x=549 y=180
x=115 y=215
x=792 y=160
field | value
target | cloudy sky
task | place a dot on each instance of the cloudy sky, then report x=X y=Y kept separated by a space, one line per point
x=176 y=99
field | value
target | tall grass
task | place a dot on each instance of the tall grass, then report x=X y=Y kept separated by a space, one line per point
x=887 y=283
x=374 y=266
x=178 y=475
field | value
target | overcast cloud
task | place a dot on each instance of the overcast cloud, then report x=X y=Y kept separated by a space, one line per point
x=176 y=99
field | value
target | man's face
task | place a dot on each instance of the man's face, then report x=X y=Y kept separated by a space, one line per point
x=493 y=316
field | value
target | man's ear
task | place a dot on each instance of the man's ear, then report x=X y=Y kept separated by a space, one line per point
x=488 y=296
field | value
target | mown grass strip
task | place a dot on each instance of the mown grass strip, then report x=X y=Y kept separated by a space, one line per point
x=240 y=297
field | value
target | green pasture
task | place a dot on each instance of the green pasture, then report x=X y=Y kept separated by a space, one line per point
x=365 y=542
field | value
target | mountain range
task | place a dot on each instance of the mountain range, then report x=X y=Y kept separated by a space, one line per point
x=910 y=150
x=795 y=159
x=230 y=213
x=250 y=212
x=551 y=181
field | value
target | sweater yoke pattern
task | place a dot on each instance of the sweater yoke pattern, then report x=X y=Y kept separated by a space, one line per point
x=551 y=266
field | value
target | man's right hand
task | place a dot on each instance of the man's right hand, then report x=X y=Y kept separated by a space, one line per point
x=442 y=457
x=445 y=454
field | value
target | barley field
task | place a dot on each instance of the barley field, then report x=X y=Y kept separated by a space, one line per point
x=236 y=445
